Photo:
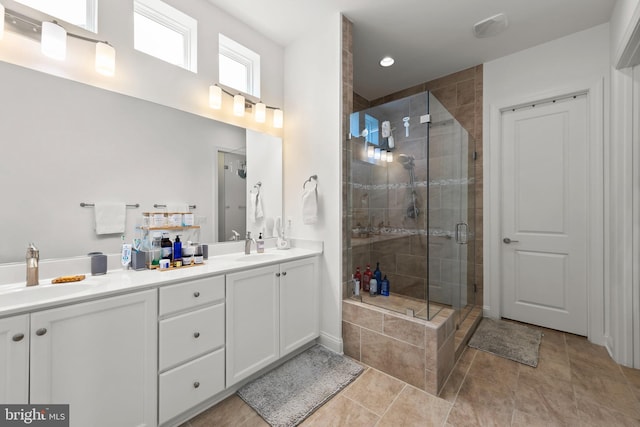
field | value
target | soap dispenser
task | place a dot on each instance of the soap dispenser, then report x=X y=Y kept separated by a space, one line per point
x=260 y=244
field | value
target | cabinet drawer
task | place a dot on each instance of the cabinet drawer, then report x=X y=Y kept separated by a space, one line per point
x=191 y=294
x=186 y=386
x=190 y=334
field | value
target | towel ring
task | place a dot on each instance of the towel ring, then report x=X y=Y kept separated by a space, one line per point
x=311 y=178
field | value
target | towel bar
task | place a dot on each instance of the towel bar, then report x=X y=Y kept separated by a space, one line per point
x=164 y=206
x=90 y=205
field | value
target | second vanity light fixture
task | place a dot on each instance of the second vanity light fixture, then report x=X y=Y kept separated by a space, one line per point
x=240 y=103
x=53 y=41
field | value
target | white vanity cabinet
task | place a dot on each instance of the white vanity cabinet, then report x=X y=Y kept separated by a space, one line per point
x=191 y=344
x=14 y=359
x=100 y=357
x=271 y=311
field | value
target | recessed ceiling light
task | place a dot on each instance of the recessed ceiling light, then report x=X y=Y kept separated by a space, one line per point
x=387 y=61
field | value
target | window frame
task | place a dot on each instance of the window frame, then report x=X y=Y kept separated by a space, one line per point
x=174 y=20
x=244 y=56
x=91 y=15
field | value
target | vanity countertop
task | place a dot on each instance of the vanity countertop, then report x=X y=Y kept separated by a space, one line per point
x=16 y=298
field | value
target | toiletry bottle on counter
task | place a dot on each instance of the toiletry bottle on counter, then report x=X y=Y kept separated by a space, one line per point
x=377 y=274
x=260 y=244
x=358 y=277
x=356 y=285
x=126 y=254
x=366 y=278
x=384 y=287
x=177 y=249
x=165 y=247
x=373 y=287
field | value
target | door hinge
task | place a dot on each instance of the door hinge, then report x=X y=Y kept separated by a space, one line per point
x=475 y=155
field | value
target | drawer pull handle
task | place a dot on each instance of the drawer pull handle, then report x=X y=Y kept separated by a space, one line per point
x=196 y=334
x=196 y=384
x=196 y=294
x=284 y=273
x=40 y=332
x=277 y=274
x=18 y=337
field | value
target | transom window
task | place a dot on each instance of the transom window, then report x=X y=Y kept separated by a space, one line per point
x=239 y=67
x=82 y=13
x=165 y=33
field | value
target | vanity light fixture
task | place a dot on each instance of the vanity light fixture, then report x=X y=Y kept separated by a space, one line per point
x=383 y=156
x=240 y=104
x=389 y=157
x=376 y=154
x=53 y=39
x=370 y=152
x=260 y=112
x=215 y=97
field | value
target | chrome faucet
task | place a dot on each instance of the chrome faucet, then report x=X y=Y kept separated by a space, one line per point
x=33 y=255
x=235 y=236
x=247 y=243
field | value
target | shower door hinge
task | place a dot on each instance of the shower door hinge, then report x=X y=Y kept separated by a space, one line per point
x=475 y=155
x=475 y=288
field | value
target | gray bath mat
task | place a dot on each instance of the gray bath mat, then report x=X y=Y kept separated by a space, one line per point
x=510 y=340
x=290 y=393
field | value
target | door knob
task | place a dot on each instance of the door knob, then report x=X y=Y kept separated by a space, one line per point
x=508 y=240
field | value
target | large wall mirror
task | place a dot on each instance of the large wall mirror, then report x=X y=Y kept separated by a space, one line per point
x=65 y=143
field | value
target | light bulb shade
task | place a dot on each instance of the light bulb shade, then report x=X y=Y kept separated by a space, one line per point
x=238 y=105
x=260 y=112
x=370 y=152
x=376 y=154
x=389 y=157
x=105 y=59
x=54 y=41
x=383 y=155
x=278 y=118
x=215 y=97
x=1 y=21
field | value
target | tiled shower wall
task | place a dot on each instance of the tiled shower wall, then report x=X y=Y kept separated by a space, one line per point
x=461 y=94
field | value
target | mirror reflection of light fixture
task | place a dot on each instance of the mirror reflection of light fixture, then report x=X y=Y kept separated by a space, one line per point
x=238 y=105
x=376 y=154
x=389 y=157
x=370 y=152
x=278 y=118
x=260 y=112
x=383 y=155
x=105 y=59
x=54 y=41
x=215 y=97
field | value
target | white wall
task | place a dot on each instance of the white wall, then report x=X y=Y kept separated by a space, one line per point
x=312 y=146
x=145 y=77
x=577 y=62
x=623 y=19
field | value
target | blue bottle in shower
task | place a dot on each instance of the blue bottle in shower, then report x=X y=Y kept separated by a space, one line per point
x=384 y=287
x=377 y=274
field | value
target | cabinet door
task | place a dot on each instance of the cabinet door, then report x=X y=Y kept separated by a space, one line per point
x=299 y=304
x=100 y=357
x=252 y=321
x=14 y=359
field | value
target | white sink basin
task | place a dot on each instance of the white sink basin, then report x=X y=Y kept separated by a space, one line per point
x=255 y=257
x=42 y=293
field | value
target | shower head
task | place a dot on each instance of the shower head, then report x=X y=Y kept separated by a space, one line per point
x=406 y=161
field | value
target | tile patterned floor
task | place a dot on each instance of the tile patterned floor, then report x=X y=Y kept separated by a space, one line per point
x=575 y=384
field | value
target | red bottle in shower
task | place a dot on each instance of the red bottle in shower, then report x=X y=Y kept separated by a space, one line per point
x=358 y=277
x=366 y=278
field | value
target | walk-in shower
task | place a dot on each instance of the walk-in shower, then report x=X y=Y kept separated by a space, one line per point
x=411 y=204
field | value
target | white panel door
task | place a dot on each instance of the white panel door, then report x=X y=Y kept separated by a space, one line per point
x=544 y=229
x=14 y=359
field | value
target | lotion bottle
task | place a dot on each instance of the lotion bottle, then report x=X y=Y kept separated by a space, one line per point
x=260 y=244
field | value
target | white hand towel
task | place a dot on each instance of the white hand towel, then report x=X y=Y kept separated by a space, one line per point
x=310 y=203
x=110 y=217
x=257 y=211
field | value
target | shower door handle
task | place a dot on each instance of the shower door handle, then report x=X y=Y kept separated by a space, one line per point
x=508 y=240
x=462 y=233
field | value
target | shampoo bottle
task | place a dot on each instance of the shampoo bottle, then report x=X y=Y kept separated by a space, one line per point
x=366 y=279
x=177 y=249
x=356 y=285
x=260 y=244
x=384 y=287
x=373 y=287
x=377 y=274
x=358 y=278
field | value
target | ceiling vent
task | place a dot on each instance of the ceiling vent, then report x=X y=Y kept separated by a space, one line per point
x=491 y=26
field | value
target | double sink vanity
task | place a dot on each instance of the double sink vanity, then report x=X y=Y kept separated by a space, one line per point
x=150 y=348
